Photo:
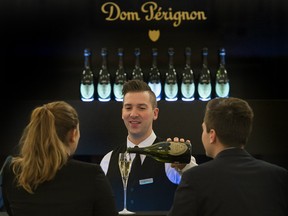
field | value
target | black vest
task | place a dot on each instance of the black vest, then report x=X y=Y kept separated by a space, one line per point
x=151 y=190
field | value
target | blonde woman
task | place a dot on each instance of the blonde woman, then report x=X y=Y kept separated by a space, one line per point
x=44 y=179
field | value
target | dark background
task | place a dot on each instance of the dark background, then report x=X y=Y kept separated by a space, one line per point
x=42 y=43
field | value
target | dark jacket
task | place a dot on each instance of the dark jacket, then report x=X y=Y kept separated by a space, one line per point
x=78 y=188
x=234 y=183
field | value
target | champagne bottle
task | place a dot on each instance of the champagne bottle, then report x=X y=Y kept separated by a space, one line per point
x=222 y=86
x=87 y=79
x=171 y=83
x=167 y=152
x=187 y=81
x=204 y=83
x=137 y=71
x=104 y=88
x=154 y=79
x=120 y=77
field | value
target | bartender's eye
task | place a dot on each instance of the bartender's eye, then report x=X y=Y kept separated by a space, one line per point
x=143 y=107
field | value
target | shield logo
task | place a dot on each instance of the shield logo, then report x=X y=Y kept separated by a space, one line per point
x=154 y=35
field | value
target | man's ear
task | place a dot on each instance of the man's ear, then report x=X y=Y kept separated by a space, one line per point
x=212 y=136
x=156 y=112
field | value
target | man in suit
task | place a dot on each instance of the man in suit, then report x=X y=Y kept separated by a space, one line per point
x=151 y=187
x=234 y=182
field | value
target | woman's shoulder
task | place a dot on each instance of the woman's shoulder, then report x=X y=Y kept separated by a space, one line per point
x=83 y=166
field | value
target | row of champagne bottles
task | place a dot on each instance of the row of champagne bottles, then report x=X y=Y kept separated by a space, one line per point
x=169 y=89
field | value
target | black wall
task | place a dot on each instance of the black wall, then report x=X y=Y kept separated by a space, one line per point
x=42 y=43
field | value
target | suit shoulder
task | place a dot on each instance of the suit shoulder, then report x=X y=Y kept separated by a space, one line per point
x=271 y=166
x=85 y=166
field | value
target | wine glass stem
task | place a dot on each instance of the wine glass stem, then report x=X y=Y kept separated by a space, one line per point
x=125 y=195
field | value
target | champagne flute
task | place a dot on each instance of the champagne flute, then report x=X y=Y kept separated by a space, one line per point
x=125 y=167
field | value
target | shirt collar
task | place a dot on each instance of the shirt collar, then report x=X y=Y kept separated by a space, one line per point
x=147 y=142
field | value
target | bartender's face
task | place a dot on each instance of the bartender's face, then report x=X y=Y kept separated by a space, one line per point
x=138 y=115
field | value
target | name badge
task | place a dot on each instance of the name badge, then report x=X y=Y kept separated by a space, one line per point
x=146 y=181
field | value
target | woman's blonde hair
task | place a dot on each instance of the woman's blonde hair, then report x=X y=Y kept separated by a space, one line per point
x=44 y=143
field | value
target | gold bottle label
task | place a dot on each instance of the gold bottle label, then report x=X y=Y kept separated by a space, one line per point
x=177 y=148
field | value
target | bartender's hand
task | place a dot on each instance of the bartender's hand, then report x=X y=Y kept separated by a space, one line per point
x=178 y=166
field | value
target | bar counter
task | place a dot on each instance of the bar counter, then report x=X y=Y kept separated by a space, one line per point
x=144 y=213
x=150 y=213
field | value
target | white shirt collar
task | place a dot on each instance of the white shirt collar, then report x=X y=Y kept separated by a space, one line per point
x=147 y=142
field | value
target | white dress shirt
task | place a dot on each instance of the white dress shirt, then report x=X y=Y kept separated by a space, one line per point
x=172 y=174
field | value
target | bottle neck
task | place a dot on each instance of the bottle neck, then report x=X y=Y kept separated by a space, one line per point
x=222 y=59
x=154 y=61
x=137 y=61
x=205 y=73
x=188 y=61
x=120 y=73
x=104 y=76
x=137 y=58
x=154 y=58
x=87 y=59
x=120 y=65
x=137 y=71
x=104 y=62
x=205 y=60
x=205 y=57
x=171 y=63
x=154 y=75
x=171 y=75
x=171 y=55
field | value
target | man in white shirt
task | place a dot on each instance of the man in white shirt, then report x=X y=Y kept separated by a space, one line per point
x=153 y=187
